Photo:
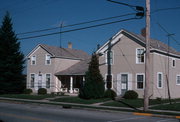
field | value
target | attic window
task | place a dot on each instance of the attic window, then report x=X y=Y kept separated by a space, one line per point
x=173 y=63
x=48 y=59
x=33 y=60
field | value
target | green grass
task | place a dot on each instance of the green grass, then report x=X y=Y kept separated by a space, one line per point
x=27 y=96
x=80 y=101
x=134 y=102
x=172 y=107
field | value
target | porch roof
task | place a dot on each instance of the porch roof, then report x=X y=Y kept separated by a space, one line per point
x=77 y=69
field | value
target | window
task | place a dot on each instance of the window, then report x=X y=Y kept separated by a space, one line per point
x=111 y=55
x=32 y=79
x=48 y=79
x=140 y=81
x=178 y=80
x=173 y=63
x=33 y=60
x=159 y=80
x=40 y=80
x=140 y=55
x=48 y=59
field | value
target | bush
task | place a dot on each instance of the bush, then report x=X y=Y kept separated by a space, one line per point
x=42 y=91
x=27 y=91
x=130 y=95
x=110 y=94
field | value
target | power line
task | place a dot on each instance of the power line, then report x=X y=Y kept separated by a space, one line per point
x=170 y=35
x=81 y=23
x=165 y=9
x=83 y=28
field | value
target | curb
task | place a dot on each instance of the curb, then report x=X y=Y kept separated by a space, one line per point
x=155 y=115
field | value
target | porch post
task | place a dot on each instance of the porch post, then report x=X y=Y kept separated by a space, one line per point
x=71 y=84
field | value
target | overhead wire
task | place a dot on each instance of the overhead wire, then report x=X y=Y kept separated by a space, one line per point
x=83 y=28
x=71 y=25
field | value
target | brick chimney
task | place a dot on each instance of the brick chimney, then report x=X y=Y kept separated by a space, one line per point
x=69 y=45
x=143 y=32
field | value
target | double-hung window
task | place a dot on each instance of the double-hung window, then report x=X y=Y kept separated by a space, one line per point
x=48 y=79
x=178 y=79
x=140 y=81
x=140 y=55
x=48 y=59
x=33 y=60
x=159 y=80
x=32 y=79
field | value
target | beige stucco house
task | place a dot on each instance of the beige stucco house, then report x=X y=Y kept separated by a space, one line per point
x=127 y=59
x=56 y=69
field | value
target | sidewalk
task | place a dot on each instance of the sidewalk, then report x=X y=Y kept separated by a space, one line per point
x=94 y=106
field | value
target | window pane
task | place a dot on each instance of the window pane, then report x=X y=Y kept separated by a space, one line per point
x=140 y=80
x=178 y=79
x=32 y=80
x=159 y=80
x=47 y=80
x=140 y=55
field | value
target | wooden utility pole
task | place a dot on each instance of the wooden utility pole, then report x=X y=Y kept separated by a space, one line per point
x=147 y=60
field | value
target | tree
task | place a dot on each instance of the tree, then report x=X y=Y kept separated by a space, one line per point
x=94 y=84
x=12 y=60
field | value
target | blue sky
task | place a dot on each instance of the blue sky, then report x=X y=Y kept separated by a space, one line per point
x=29 y=15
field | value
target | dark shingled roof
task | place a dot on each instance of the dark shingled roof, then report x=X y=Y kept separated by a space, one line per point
x=77 y=69
x=65 y=52
x=157 y=44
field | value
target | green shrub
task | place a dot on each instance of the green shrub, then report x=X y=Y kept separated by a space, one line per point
x=130 y=95
x=27 y=91
x=109 y=93
x=42 y=91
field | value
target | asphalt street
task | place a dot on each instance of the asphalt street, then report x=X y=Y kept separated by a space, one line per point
x=14 y=112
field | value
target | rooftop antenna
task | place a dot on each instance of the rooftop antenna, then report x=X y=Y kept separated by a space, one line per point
x=60 y=35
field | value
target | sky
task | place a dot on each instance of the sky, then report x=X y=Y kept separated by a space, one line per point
x=32 y=15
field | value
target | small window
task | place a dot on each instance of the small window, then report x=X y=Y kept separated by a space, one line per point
x=33 y=60
x=178 y=80
x=111 y=55
x=48 y=59
x=140 y=58
x=48 y=79
x=32 y=79
x=40 y=81
x=173 y=63
x=159 y=80
x=140 y=81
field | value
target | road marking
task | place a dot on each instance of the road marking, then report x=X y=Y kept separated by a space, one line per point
x=24 y=117
x=126 y=119
x=142 y=114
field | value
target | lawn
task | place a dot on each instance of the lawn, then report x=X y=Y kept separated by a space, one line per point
x=134 y=102
x=173 y=107
x=27 y=96
x=80 y=101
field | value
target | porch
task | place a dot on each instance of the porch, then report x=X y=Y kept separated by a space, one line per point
x=71 y=83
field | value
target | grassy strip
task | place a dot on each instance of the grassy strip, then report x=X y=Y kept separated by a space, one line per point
x=79 y=100
x=134 y=102
x=172 y=107
x=27 y=96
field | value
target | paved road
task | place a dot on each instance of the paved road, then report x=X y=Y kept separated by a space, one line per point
x=11 y=112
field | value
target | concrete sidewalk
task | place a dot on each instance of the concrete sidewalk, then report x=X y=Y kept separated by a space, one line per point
x=94 y=106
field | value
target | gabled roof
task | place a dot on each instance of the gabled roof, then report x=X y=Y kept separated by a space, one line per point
x=155 y=45
x=62 y=52
x=77 y=69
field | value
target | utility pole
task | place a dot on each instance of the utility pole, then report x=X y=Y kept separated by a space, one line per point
x=147 y=60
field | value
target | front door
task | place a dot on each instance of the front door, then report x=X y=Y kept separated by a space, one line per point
x=124 y=83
